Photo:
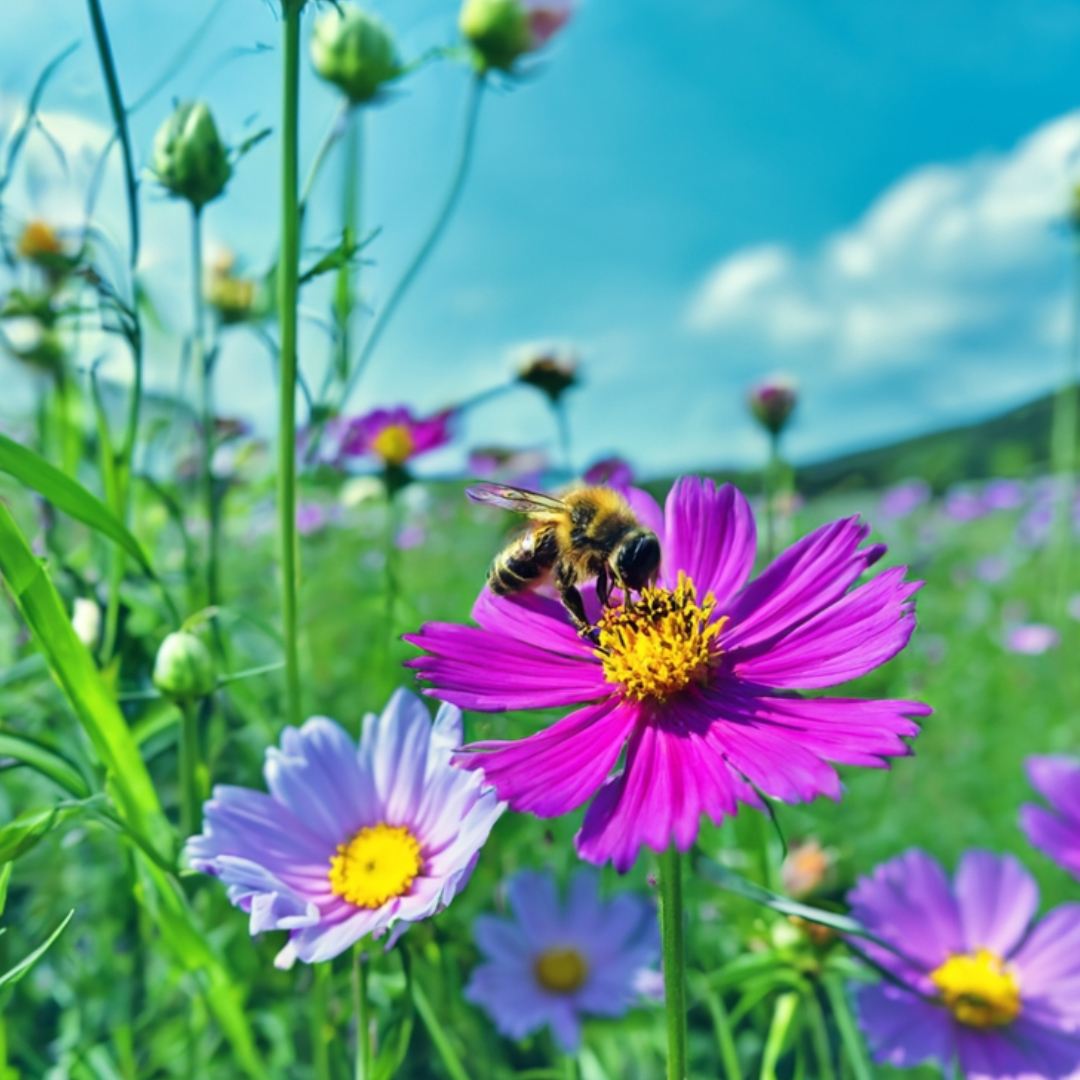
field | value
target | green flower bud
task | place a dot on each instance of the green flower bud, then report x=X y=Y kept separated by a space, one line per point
x=184 y=668
x=499 y=31
x=190 y=160
x=355 y=51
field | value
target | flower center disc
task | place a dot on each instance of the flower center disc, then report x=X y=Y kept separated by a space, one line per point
x=394 y=444
x=660 y=644
x=376 y=865
x=980 y=990
x=561 y=970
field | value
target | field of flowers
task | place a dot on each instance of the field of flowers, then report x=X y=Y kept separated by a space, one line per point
x=287 y=790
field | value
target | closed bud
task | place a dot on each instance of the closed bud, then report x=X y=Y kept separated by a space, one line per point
x=551 y=370
x=184 y=669
x=772 y=403
x=86 y=621
x=501 y=31
x=355 y=51
x=190 y=160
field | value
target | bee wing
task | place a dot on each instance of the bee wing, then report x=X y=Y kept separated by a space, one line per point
x=517 y=499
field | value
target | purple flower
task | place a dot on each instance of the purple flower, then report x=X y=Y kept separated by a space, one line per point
x=1055 y=832
x=350 y=840
x=1072 y=606
x=553 y=964
x=901 y=499
x=1034 y=527
x=1031 y=639
x=693 y=679
x=1003 y=495
x=773 y=401
x=992 y=569
x=310 y=518
x=611 y=472
x=521 y=468
x=976 y=983
x=964 y=505
x=395 y=436
x=409 y=537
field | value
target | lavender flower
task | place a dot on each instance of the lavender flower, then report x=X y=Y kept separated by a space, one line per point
x=1055 y=832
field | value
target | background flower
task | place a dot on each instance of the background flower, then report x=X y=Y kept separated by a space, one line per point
x=1055 y=832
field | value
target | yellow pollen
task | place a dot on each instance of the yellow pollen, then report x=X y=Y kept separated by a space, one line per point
x=38 y=239
x=660 y=644
x=561 y=970
x=376 y=865
x=979 y=989
x=394 y=444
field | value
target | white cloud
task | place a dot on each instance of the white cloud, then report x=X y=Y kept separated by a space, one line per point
x=952 y=265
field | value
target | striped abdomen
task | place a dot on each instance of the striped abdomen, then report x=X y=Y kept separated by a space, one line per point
x=525 y=562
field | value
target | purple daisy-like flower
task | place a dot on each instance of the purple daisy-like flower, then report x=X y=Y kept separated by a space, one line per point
x=694 y=679
x=1055 y=832
x=1031 y=639
x=976 y=983
x=350 y=840
x=395 y=436
x=904 y=498
x=551 y=964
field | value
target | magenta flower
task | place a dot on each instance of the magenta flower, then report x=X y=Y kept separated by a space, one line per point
x=351 y=840
x=976 y=984
x=1031 y=639
x=693 y=679
x=613 y=472
x=395 y=436
x=552 y=964
x=1055 y=832
x=547 y=18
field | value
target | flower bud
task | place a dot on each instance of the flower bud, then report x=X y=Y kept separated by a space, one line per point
x=552 y=371
x=184 y=668
x=772 y=403
x=500 y=31
x=190 y=160
x=39 y=241
x=86 y=621
x=355 y=51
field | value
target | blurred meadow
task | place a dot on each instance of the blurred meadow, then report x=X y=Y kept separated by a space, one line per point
x=239 y=418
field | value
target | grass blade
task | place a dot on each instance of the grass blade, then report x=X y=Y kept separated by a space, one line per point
x=438 y=1036
x=784 y=1013
x=46 y=761
x=845 y=1023
x=27 y=962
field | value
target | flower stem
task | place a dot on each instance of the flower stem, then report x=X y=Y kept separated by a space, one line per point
x=288 y=288
x=563 y=422
x=188 y=768
x=770 y=485
x=362 y=1012
x=674 y=952
x=472 y=111
x=320 y=1046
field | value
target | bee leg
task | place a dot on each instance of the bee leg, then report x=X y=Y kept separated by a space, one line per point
x=603 y=587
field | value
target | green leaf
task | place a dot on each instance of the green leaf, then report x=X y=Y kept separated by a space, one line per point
x=27 y=962
x=42 y=609
x=68 y=495
x=46 y=761
x=845 y=1023
x=784 y=1013
x=5 y=877
x=162 y=896
x=26 y=832
x=342 y=255
x=446 y=1051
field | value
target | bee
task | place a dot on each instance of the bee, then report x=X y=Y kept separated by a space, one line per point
x=589 y=533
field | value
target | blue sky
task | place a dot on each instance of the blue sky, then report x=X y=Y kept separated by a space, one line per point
x=695 y=193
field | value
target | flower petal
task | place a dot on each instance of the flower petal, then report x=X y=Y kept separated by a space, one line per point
x=1056 y=837
x=394 y=753
x=710 y=535
x=903 y=1030
x=997 y=898
x=1048 y=962
x=533 y=619
x=1057 y=779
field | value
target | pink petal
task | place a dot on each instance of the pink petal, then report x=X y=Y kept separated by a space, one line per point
x=646 y=510
x=852 y=636
x=710 y=535
x=531 y=618
x=558 y=769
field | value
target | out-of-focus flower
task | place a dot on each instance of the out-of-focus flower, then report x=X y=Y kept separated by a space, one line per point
x=992 y=569
x=361 y=489
x=183 y=668
x=1055 y=832
x=549 y=368
x=1003 y=495
x=773 y=401
x=351 y=840
x=355 y=51
x=961 y=504
x=1033 y=529
x=502 y=31
x=693 y=680
x=977 y=987
x=1031 y=639
x=523 y=468
x=31 y=340
x=395 y=436
x=1072 y=606
x=904 y=498
x=550 y=965
x=86 y=621
x=233 y=298
x=409 y=537
x=40 y=244
x=612 y=472
x=310 y=518
x=807 y=868
x=190 y=161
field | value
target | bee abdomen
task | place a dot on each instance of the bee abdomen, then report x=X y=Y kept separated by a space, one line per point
x=523 y=563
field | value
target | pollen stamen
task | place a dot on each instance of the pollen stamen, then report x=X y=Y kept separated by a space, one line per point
x=378 y=864
x=979 y=989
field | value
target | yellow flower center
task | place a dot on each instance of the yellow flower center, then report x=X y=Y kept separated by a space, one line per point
x=561 y=970
x=661 y=643
x=376 y=865
x=394 y=444
x=38 y=239
x=980 y=990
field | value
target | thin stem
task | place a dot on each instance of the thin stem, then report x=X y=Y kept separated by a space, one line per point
x=320 y=1044
x=674 y=953
x=189 y=768
x=362 y=1013
x=344 y=298
x=770 y=483
x=333 y=133
x=391 y=568
x=288 y=273
x=386 y=312
x=563 y=421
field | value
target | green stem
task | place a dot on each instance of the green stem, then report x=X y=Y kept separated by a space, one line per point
x=189 y=769
x=769 y=489
x=443 y=1047
x=725 y=1040
x=563 y=421
x=674 y=953
x=850 y=1038
x=347 y=277
x=288 y=273
x=819 y=1036
x=362 y=1013
x=320 y=1043
x=331 y=136
x=386 y=312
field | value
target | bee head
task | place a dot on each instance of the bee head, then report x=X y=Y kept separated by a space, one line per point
x=636 y=561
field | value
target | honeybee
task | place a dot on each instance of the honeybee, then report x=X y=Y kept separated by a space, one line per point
x=588 y=533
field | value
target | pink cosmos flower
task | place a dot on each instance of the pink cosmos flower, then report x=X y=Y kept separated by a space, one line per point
x=693 y=679
x=395 y=436
x=547 y=18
